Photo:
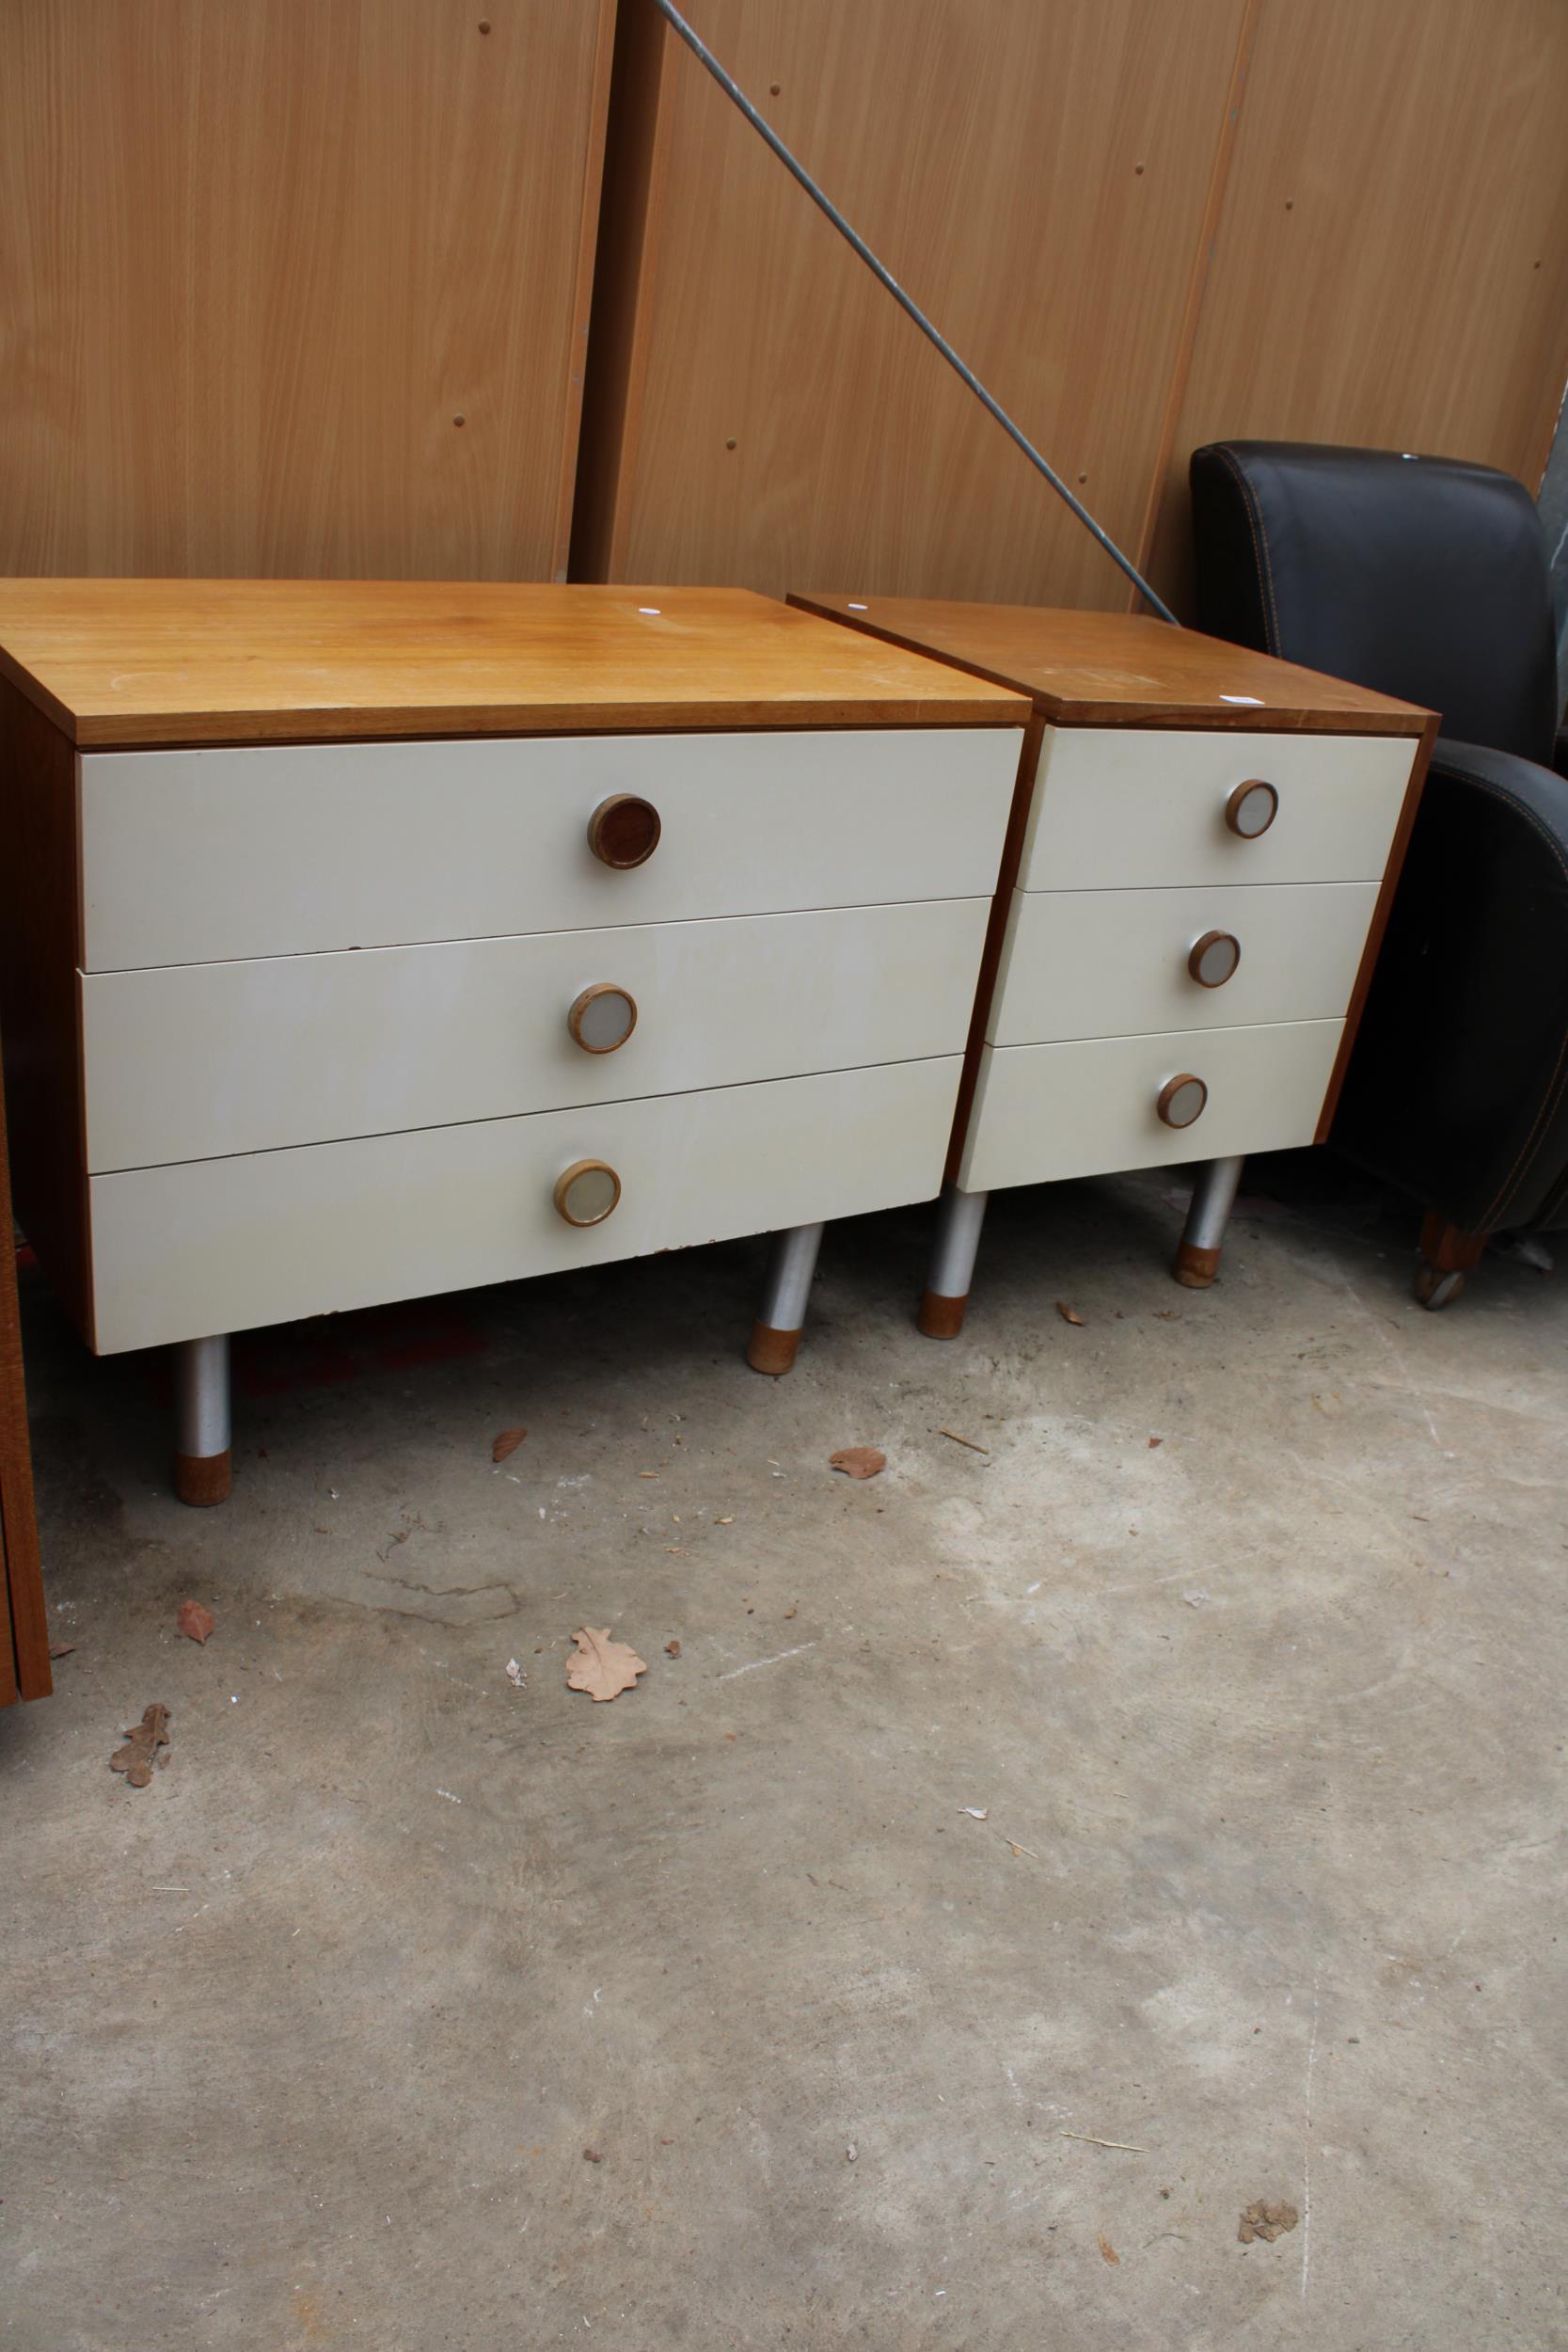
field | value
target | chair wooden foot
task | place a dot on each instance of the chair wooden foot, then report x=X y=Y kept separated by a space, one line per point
x=203 y=1456
x=1447 y=1254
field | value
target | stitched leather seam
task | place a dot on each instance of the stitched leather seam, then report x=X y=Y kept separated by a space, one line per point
x=1552 y=1200
x=1259 y=548
x=1553 y=1095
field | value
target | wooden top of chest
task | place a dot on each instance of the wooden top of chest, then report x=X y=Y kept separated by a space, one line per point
x=1118 y=669
x=121 y=663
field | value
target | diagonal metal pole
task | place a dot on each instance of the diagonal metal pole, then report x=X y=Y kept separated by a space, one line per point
x=884 y=277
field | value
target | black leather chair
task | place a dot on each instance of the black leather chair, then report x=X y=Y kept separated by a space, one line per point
x=1428 y=578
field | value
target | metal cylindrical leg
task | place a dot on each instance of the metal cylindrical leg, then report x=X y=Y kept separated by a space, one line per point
x=1198 y=1255
x=952 y=1270
x=776 y=1333
x=203 y=1459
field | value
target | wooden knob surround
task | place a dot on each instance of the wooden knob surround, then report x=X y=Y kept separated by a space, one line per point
x=1251 y=808
x=602 y=1018
x=623 y=831
x=586 y=1192
x=1213 y=958
x=1180 y=1100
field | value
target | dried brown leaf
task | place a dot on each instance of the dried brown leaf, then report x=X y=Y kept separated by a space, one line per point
x=858 y=1461
x=1154 y=1441
x=508 y=1442
x=61 y=1649
x=672 y=1649
x=196 y=1623
x=1267 y=2221
x=1108 y=2250
x=1070 y=1314
x=603 y=1668
x=142 y=1743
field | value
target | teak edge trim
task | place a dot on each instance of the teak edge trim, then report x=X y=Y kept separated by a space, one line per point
x=449 y=722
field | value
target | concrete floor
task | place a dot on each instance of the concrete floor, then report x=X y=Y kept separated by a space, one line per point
x=307 y=2042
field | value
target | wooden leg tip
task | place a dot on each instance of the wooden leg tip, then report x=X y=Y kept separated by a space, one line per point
x=1450 y=1249
x=201 y=1479
x=941 y=1318
x=1194 y=1269
x=771 y=1351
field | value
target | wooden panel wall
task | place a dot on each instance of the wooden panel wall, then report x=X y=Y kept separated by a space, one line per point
x=258 y=256
x=296 y=286
x=1037 y=172
x=1391 y=266
x=1350 y=223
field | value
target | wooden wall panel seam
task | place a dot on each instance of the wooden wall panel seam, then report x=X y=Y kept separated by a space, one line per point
x=1036 y=174
x=589 y=195
x=635 y=140
x=1203 y=255
x=1227 y=216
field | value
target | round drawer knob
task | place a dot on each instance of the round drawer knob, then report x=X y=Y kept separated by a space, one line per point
x=1182 y=1099
x=602 y=1018
x=623 y=831
x=586 y=1192
x=1213 y=958
x=1251 y=808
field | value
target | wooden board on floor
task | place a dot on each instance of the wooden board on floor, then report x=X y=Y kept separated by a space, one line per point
x=23 y=1623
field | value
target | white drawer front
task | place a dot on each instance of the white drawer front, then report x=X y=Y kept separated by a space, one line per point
x=1088 y=1109
x=193 y=1061
x=200 y=856
x=1085 y=964
x=222 y=1245
x=1118 y=808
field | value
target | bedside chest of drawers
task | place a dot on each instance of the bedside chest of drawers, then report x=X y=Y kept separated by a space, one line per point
x=363 y=941
x=1199 y=865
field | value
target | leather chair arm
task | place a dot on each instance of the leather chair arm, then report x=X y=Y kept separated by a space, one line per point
x=1458 y=1087
x=1539 y=795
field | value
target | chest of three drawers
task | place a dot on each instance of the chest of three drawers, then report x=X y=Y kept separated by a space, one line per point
x=1171 y=982
x=314 y=1026
x=1204 y=848
x=397 y=999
